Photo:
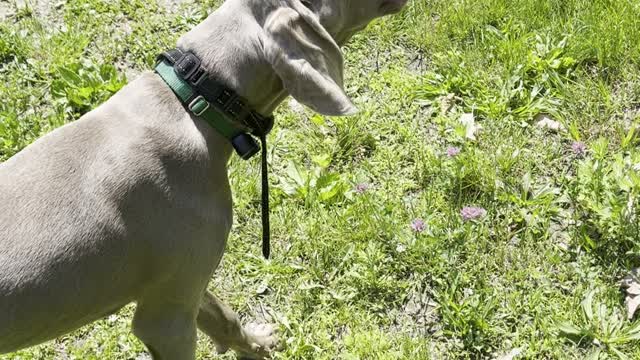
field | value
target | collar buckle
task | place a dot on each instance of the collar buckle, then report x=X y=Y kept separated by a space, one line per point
x=199 y=105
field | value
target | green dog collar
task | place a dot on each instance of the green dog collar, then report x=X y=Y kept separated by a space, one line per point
x=197 y=104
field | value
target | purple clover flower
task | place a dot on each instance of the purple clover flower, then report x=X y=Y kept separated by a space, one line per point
x=472 y=213
x=362 y=188
x=579 y=148
x=418 y=225
x=453 y=151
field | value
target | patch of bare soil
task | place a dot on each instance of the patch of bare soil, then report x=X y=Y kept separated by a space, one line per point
x=47 y=11
x=50 y=11
x=173 y=5
x=6 y=10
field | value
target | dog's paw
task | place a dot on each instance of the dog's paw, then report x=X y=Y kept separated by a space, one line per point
x=261 y=341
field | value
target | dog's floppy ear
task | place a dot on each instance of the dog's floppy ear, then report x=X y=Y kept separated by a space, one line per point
x=307 y=60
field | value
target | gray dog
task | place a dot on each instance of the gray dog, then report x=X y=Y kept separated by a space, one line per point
x=131 y=203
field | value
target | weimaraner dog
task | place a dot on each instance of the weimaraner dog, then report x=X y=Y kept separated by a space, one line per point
x=131 y=203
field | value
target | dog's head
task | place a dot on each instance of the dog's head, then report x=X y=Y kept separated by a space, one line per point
x=301 y=44
x=343 y=18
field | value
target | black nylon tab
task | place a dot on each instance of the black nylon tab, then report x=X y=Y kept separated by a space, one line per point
x=187 y=66
x=245 y=146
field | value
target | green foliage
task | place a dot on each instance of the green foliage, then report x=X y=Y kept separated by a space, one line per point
x=466 y=316
x=12 y=46
x=602 y=330
x=605 y=190
x=81 y=86
x=315 y=185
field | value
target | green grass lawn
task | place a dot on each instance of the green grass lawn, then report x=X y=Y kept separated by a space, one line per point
x=373 y=258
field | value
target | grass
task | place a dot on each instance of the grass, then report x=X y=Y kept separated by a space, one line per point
x=350 y=277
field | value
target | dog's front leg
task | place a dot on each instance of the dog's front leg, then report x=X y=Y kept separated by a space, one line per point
x=168 y=330
x=223 y=326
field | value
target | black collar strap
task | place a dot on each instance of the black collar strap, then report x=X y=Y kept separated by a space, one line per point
x=224 y=110
x=188 y=66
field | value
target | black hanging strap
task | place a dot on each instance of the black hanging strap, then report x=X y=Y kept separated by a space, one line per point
x=266 y=227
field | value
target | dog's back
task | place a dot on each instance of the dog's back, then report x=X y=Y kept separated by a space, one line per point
x=75 y=240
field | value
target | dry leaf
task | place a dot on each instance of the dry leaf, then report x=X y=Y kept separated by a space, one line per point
x=543 y=121
x=263 y=289
x=631 y=285
x=469 y=122
x=632 y=303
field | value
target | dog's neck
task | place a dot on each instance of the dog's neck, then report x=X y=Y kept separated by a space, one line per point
x=228 y=43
